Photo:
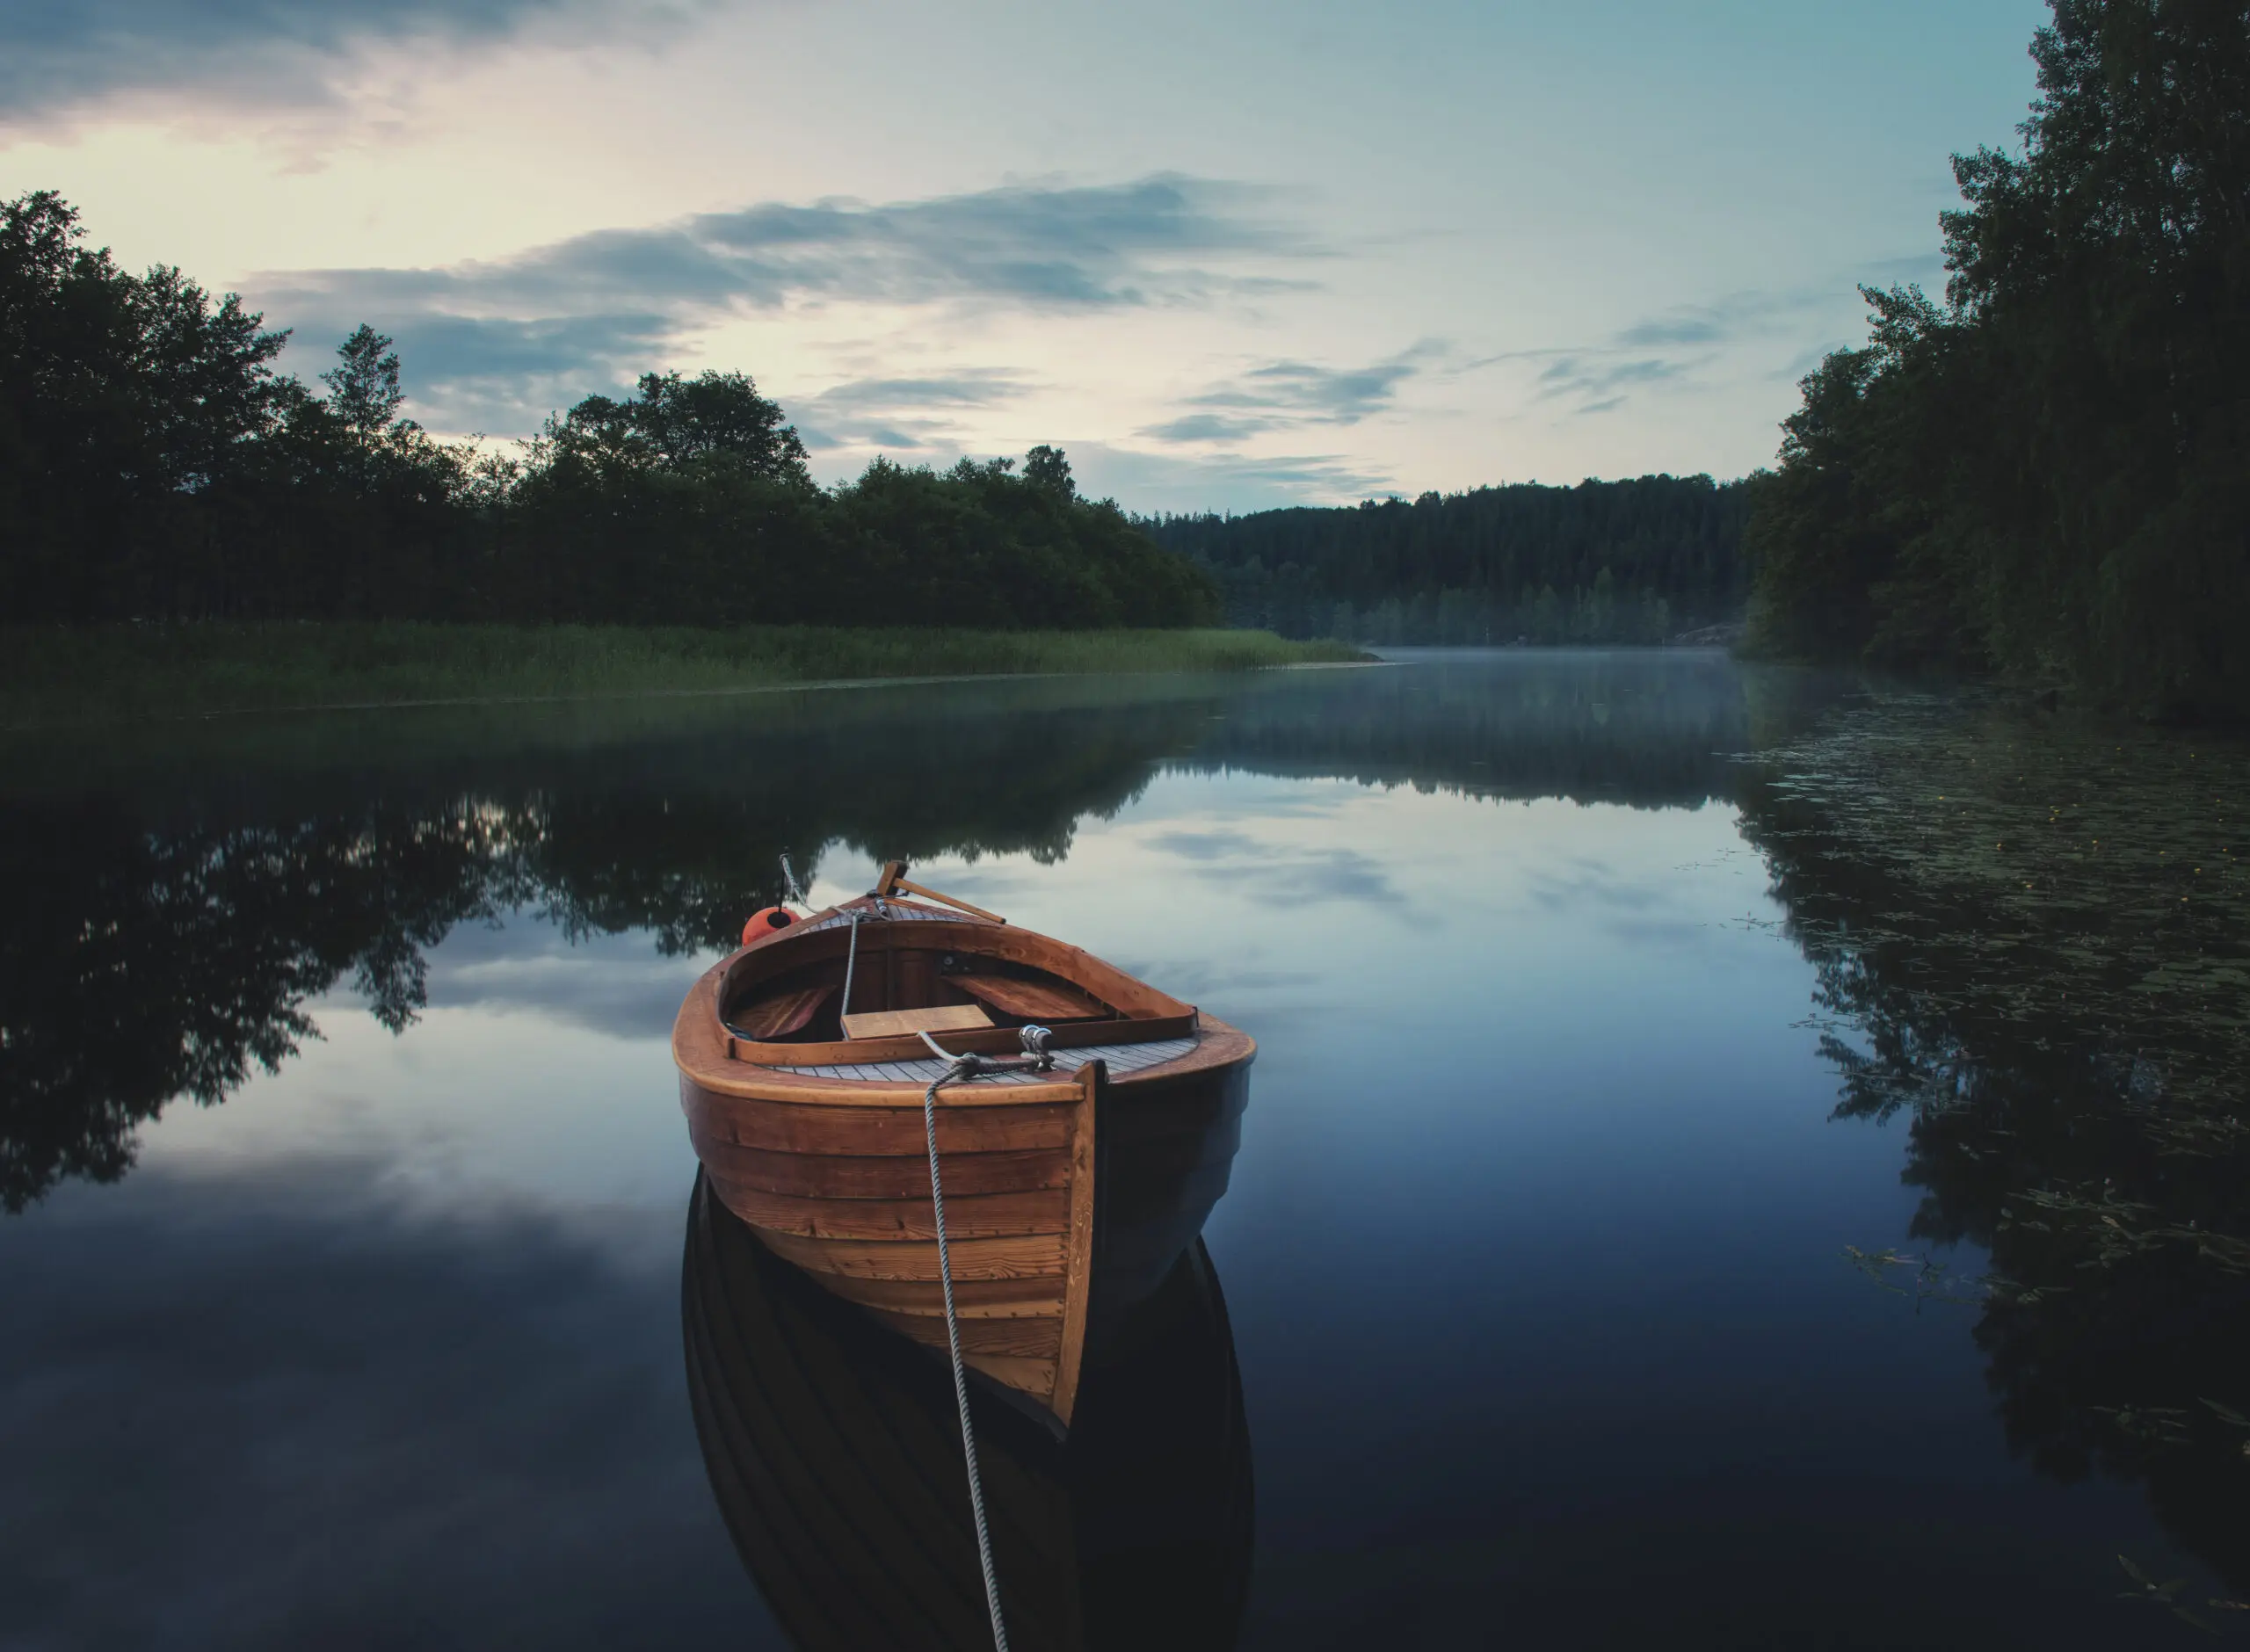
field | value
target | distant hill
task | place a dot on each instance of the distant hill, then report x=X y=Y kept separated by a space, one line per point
x=1608 y=562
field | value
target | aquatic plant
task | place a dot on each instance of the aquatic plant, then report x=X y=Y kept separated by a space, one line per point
x=2031 y=939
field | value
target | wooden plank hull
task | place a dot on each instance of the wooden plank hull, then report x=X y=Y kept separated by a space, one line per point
x=835 y=1458
x=1069 y=1195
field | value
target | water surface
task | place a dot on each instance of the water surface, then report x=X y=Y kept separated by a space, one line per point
x=1688 y=1191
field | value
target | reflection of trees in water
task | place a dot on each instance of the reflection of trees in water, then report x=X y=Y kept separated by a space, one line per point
x=176 y=905
x=1651 y=729
x=2030 y=942
x=138 y=964
x=165 y=938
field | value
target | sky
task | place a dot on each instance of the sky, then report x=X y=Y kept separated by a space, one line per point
x=1228 y=256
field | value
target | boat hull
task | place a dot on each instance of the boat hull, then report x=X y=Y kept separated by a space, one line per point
x=1068 y=1195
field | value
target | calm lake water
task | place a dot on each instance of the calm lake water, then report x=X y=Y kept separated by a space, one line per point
x=1690 y=1194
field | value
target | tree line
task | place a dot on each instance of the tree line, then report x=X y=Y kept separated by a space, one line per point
x=2047 y=473
x=154 y=465
x=1635 y=561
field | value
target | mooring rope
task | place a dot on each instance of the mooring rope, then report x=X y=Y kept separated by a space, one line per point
x=960 y=1068
x=850 y=963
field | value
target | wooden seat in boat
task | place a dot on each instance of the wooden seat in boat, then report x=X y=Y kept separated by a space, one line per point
x=890 y=1024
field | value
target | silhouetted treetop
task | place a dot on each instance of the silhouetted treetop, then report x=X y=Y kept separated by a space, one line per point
x=153 y=465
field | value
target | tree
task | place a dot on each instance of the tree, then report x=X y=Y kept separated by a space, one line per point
x=2051 y=471
x=1045 y=469
x=363 y=389
x=127 y=403
x=674 y=423
x=154 y=466
x=1472 y=563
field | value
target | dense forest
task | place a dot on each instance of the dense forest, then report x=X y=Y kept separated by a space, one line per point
x=2048 y=472
x=154 y=466
x=1623 y=561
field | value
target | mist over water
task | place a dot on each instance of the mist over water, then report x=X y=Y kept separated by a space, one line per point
x=1683 y=1192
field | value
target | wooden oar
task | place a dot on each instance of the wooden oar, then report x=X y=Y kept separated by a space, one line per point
x=895 y=879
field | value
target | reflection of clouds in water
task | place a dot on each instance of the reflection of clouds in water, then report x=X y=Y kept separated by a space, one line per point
x=1201 y=977
x=616 y=984
x=1631 y=908
x=1332 y=874
x=1268 y=873
x=1593 y=883
x=1279 y=794
x=1659 y=931
x=1203 y=845
x=282 y=1416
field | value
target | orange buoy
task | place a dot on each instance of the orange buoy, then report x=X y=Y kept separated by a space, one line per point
x=765 y=921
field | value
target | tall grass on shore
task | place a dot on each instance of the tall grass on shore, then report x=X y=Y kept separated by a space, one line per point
x=51 y=675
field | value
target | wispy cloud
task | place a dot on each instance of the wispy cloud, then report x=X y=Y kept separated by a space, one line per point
x=1207 y=427
x=902 y=414
x=1284 y=394
x=498 y=335
x=1740 y=332
x=1586 y=378
x=269 y=52
x=493 y=374
x=1674 y=330
x=1669 y=348
x=1158 y=481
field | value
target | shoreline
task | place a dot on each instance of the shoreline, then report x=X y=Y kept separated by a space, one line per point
x=58 y=677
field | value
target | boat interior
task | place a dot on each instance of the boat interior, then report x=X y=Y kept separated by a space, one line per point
x=965 y=976
x=900 y=988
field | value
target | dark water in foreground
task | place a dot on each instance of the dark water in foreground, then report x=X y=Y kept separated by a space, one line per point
x=1693 y=1193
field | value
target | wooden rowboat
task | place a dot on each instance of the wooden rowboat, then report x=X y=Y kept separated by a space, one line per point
x=834 y=1455
x=808 y=1116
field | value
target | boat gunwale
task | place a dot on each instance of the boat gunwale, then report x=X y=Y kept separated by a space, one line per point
x=711 y=1069
x=705 y=1045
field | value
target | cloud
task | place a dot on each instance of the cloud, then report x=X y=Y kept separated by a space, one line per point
x=57 y=53
x=1661 y=349
x=480 y=335
x=1283 y=394
x=1680 y=329
x=492 y=373
x=1207 y=427
x=1339 y=396
x=1674 y=345
x=908 y=413
x=1158 y=481
x=1592 y=377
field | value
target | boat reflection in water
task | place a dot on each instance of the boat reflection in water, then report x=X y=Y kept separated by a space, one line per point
x=836 y=1457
